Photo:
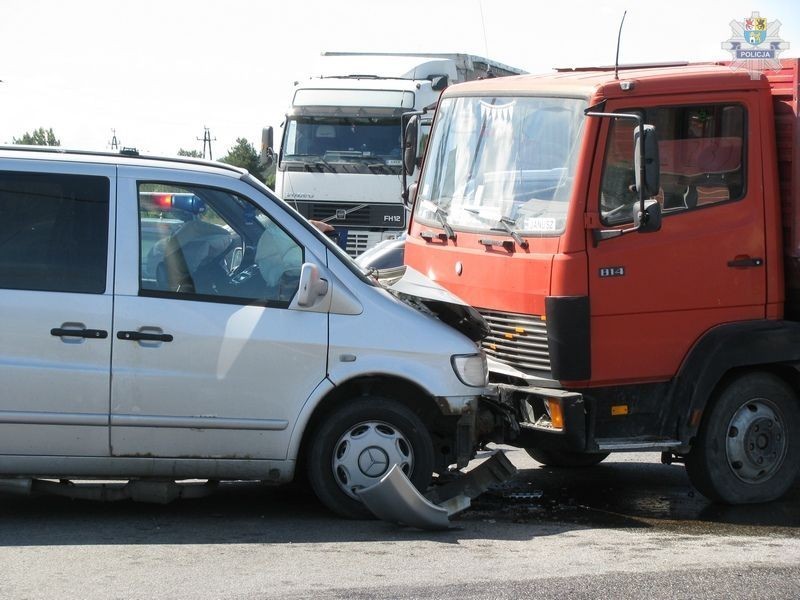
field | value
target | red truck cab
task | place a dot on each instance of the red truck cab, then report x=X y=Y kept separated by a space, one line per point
x=607 y=335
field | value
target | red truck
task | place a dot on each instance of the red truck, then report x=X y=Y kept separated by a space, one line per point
x=640 y=296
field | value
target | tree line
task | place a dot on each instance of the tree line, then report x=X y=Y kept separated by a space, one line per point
x=242 y=154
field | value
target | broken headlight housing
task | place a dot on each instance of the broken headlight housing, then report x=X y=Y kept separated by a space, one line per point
x=471 y=369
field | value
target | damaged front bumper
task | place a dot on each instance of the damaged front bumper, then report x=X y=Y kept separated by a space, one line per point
x=547 y=417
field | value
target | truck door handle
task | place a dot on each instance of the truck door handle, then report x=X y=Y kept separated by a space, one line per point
x=745 y=261
x=98 y=334
x=138 y=336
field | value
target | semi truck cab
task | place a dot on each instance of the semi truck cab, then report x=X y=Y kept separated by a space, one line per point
x=340 y=157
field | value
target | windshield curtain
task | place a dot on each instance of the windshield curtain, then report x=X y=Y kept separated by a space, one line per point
x=496 y=163
x=372 y=143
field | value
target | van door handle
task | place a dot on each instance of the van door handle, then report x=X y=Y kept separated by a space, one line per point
x=745 y=261
x=138 y=336
x=98 y=334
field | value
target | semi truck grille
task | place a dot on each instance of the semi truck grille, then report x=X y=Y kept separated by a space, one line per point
x=357 y=242
x=368 y=216
x=347 y=216
x=517 y=340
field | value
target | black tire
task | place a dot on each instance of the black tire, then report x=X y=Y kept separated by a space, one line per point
x=384 y=428
x=748 y=447
x=565 y=458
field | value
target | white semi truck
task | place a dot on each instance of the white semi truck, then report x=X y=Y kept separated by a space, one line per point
x=340 y=157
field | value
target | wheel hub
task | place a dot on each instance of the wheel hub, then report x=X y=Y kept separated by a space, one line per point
x=365 y=452
x=756 y=443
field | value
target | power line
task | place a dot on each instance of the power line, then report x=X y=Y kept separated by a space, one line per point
x=207 y=139
x=114 y=143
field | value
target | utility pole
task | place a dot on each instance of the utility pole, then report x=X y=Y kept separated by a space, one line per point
x=114 y=143
x=207 y=139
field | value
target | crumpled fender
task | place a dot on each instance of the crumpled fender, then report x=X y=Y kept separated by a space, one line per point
x=395 y=499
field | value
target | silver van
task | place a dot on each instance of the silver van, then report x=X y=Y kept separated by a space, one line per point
x=174 y=319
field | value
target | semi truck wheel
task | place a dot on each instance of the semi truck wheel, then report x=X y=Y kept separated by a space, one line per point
x=748 y=446
x=564 y=458
x=357 y=445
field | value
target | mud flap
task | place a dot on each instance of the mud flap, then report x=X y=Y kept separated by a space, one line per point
x=395 y=499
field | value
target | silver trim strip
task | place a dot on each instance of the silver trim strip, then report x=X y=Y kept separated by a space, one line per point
x=53 y=418
x=102 y=420
x=197 y=422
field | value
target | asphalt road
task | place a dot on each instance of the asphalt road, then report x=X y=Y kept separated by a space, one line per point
x=629 y=528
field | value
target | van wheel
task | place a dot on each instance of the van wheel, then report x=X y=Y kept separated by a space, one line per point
x=357 y=445
x=748 y=446
x=565 y=458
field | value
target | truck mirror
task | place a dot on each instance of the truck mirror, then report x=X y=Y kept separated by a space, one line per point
x=410 y=139
x=267 y=153
x=650 y=220
x=439 y=82
x=652 y=166
x=411 y=196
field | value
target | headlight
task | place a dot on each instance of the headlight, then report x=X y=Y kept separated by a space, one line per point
x=471 y=369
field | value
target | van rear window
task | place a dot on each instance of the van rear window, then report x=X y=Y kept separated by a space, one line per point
x=53 y=232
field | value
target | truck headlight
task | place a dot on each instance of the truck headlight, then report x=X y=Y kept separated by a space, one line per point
x=471 y=369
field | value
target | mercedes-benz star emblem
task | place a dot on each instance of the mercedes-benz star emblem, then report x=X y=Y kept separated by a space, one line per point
x=373 y=462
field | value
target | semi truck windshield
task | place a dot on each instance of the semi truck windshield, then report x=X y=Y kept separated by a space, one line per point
x=343 y=144
x=502 y=163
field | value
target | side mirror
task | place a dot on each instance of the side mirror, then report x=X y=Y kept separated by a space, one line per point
x=410 y=140
x=651 y=170
x=267 y=153
x=650 y=220
x=439 y=82
x=412 y=194
x=312 y=286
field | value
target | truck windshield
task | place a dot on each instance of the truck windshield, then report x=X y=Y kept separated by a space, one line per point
x=502 y=164
x=343 y=144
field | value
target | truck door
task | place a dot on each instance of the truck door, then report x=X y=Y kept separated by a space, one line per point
x=653 y=295
x=209 y=361
x=56 y=287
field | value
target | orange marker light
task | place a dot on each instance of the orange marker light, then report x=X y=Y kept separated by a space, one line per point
x=556 y=416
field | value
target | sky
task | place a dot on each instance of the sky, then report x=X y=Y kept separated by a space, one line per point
x=159 y=72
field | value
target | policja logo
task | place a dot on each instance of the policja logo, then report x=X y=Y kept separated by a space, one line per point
x=755 y=44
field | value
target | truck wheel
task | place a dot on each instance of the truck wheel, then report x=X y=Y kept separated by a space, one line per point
x=748 y=446
x=357 y=445
x=565 y=458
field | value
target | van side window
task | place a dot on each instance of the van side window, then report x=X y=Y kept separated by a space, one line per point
x=53 y=232
x=701 y=149
x=209 y=244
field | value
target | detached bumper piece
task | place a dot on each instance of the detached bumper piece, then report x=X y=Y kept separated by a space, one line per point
x=395 y=499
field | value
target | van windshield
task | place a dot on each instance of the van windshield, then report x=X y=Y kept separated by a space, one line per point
x=502 y=163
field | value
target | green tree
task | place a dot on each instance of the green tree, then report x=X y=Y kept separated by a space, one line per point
x=38 y=137
x=243 y=154
x=269 y=175
x=190 y=153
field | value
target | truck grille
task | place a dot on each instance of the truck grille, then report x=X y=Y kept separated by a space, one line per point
x=361 y=217
x=357 y=242
x=377 y=216
x=517 y=340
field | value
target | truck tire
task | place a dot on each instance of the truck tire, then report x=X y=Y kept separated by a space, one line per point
x=748 y=447
x=565 y=458
x=358 y=443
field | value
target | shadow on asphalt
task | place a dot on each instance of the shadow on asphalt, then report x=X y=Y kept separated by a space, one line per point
x=626 y=494
x=537 y=502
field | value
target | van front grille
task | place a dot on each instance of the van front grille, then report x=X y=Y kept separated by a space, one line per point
x=517 y=340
